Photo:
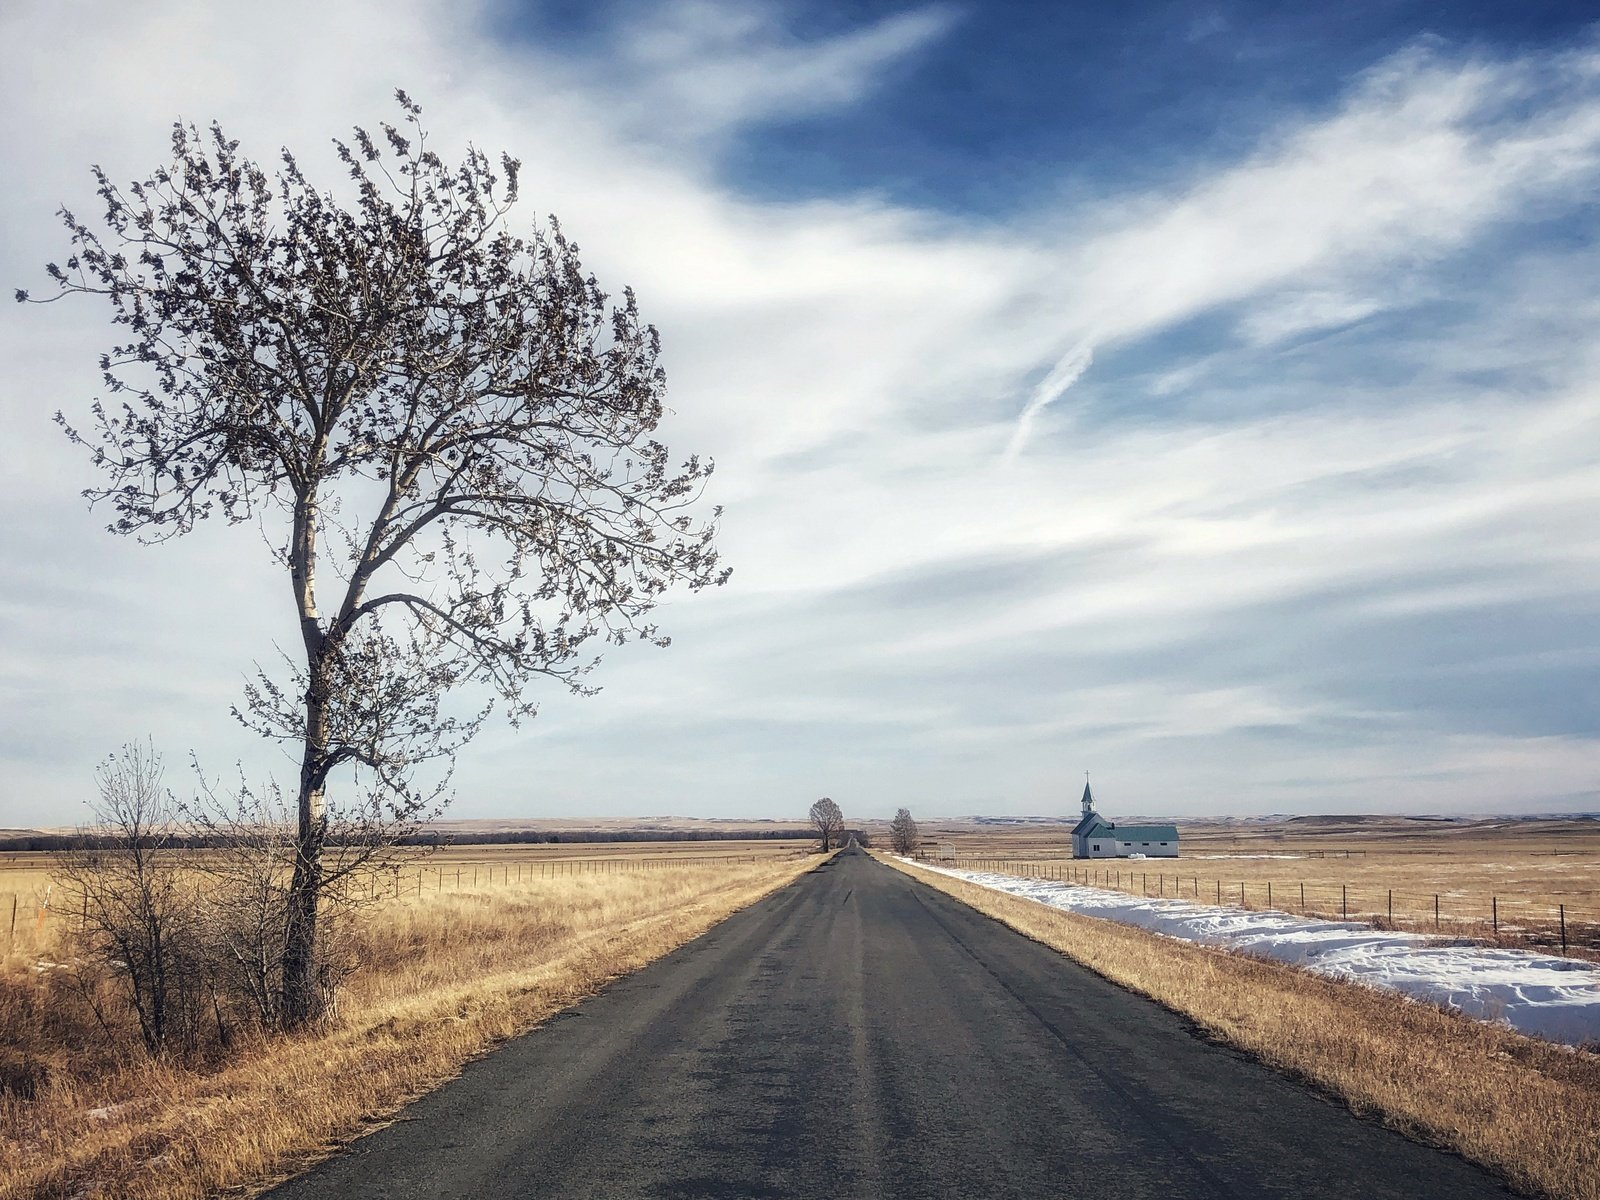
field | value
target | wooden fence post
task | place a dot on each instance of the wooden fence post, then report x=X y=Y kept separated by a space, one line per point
x=1436 y=912
x=1494 y=912
x=1344 y=902
x=1563 y=909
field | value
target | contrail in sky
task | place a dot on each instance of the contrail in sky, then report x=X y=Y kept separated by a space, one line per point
x=1062 y=376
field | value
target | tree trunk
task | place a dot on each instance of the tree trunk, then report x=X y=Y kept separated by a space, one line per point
x=301 y=998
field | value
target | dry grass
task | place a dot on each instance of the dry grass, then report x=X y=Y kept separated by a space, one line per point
x=26 y=928
x=32 y=917
x=1523 y=1108
x=443 y=975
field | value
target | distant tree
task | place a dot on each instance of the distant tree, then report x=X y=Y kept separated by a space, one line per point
x=828 y=821
x=452 y=424
x=903 y=832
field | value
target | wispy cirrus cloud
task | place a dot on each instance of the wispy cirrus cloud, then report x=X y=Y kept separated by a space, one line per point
x=1336 y=218
x=1060 y=377
x=706 y=68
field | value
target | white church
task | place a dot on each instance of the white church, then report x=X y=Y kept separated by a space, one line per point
x=1095 y=837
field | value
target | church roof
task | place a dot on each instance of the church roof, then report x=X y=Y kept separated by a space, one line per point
x=1092 y=824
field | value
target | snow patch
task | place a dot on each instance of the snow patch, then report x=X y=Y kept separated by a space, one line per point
x=1537 y=994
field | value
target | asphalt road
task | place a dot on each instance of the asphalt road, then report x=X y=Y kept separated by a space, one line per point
x=861 y=1035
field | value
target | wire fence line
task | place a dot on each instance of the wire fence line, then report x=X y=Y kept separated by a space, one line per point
x=1511 y=918
x=459 y=876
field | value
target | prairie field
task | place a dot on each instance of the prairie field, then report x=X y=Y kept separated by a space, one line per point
x=1515 y=879
x=31 y=907
x=441 y=972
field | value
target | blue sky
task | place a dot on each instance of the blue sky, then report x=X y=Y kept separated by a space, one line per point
x=1199 y=394
x=1009 y=101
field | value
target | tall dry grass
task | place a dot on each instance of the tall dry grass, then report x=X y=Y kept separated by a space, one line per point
x=441 y=976
x=1523 y=1108
x=26 y=926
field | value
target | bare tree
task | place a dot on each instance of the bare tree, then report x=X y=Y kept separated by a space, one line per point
x=828 y=821
x=451 y=423
x=903 y=832
x=136 y=912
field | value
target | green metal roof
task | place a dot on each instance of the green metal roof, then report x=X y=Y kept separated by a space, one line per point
x=1088 y=821
x=1146 y=833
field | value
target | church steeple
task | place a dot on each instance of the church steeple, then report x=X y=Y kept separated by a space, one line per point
x=1088 y=796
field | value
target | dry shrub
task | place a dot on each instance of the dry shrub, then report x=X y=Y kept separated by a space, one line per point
x=1524 y=1108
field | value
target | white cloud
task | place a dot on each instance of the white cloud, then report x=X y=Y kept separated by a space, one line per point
x=708 y=67
x=1317 y=228
x=1299 y=313
x=1061 y=376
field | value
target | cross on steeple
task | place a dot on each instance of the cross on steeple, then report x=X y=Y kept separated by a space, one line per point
x=1088 y=797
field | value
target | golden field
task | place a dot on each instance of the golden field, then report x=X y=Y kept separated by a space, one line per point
x=31 y=906
x=1526 y=1109
x=443 y=973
